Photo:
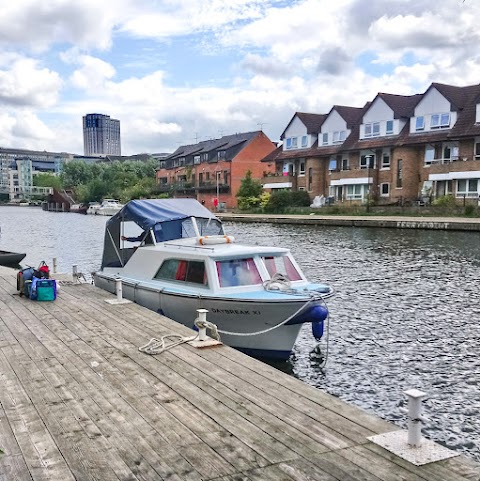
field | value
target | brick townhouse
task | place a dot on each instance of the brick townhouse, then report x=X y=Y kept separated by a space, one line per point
x=214 y=169
x=394 y=149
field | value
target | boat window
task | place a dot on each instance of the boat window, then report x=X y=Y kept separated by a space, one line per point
x=282 y=265
x=183 y=271
x=238 y=272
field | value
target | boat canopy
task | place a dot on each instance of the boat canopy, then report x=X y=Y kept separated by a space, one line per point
x=167 y=219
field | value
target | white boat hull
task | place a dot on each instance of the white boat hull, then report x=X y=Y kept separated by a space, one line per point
x=231 y=315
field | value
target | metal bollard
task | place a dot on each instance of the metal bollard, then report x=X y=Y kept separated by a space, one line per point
x=118 y=289
x=202 y=318
x=75 y=270
x=54 y=262
x=415 y=398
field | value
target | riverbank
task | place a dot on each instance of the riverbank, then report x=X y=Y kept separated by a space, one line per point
x=430 y=223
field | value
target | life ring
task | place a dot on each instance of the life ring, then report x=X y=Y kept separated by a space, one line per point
x=216 y=239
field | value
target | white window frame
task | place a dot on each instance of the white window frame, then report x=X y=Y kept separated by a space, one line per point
x=354 y=192
x=339 y=136
x=429 y=159
x=325 y=138
x=304 y=141
x=346 y=163
x=476 y=149
x=363 y=161
x=386 y=154
x=196 y=159
x=294 y=142
x=372 y=129
x=387 y=130
x=468 y=192
x=440 y=121
x=385 y=194
x=301 y=171
x=289 y=143
x=419 y=123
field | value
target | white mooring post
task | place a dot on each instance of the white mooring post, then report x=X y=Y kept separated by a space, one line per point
x=202 y=318
x=415 y=398
x=410 y=445
x=118 y=289
x=75 y=271
x=119 y=292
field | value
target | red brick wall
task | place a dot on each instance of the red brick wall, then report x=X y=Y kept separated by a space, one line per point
x=249 y=159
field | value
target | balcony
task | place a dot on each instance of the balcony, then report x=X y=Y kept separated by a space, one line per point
x=279 y=181
x=190 y=188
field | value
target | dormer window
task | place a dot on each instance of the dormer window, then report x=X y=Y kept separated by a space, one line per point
x=440 y=121
x=291 y=142
x=325 y=138
x=221 y=155
x=196 y=159
x=304 y=141
x=420 y=124
x=372 y=129
x=339 y=136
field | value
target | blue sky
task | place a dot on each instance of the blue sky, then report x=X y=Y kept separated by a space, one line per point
x=177 y=71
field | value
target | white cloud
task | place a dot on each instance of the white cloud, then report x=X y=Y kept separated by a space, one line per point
x=92 y=74
x=25 y=84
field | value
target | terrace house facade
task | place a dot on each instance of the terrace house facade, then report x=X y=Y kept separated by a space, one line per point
x=396 y=148
x=214 y=169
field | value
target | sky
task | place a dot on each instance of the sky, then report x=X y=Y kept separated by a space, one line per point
x=176 y=72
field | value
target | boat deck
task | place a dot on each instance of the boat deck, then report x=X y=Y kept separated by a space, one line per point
x=78 y=401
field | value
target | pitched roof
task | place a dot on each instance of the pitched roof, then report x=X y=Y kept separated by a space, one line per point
x=402 y=105
x=351 y=115
x=224 y=143
x=312 y=122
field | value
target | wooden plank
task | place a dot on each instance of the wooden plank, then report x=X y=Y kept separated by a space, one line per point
x=41 y=454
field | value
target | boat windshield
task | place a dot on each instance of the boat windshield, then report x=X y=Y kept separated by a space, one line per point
x=281 y=265
x=206 y=227
x=238 y=272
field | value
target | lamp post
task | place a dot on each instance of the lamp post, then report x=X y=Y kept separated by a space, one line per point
x=217 y=175
x=368 y=159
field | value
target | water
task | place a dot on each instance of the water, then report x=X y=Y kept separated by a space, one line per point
x=405 y=315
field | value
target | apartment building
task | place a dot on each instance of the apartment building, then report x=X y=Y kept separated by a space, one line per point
x=19 y=166
x=101 y=135
x=214 y=169
x=394 y=149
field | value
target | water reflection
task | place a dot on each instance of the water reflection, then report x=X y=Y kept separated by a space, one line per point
x=406 y=311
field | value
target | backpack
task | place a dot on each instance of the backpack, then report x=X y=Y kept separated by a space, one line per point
x=42 y=272
x=24 y=278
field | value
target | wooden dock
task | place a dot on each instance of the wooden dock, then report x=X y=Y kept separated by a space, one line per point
x=78 y=401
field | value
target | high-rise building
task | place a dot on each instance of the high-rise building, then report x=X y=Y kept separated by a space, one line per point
x=101 y=135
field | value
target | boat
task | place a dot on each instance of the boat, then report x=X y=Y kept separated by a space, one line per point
x=181 y=260
x=10 y=259
x=93 y=207
x=79 y=208
x=109 y=207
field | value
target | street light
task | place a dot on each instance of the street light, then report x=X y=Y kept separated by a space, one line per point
x=217 y=174
x=368 y=159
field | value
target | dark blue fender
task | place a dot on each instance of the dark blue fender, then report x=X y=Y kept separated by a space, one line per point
x=314 y=314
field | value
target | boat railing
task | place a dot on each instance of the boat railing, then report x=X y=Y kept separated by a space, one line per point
x=182 y=246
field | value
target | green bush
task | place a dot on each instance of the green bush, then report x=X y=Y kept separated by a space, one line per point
x=284 y=199
x=445 y=201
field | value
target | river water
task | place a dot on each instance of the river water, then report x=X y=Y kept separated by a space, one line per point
x=406 y=313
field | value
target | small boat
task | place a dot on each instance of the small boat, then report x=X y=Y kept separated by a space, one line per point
x=10 y=259
x=93 y=207
x=79 y=208
x=181 y=260
x=109 y=207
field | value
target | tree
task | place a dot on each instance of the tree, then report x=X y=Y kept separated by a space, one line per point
x=47 y=180
x=249 y=187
